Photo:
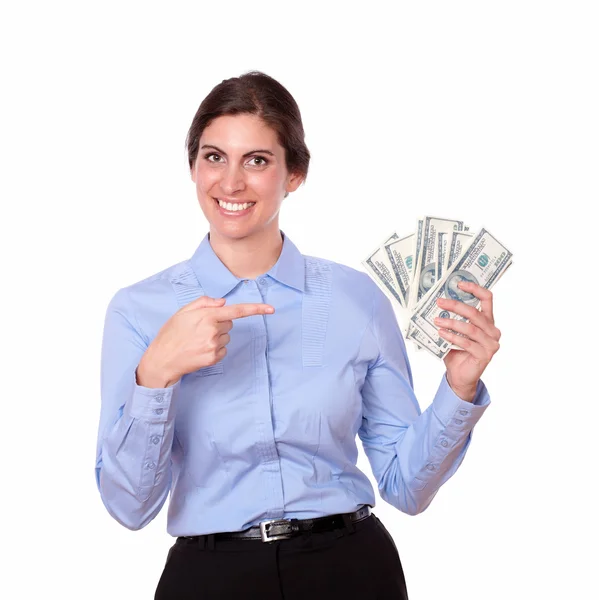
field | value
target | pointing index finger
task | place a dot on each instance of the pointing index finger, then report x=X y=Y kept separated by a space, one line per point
x=238 y=311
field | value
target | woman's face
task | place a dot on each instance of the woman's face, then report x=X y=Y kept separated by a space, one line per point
x=241 y=176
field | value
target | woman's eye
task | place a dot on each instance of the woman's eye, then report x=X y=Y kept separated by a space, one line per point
x=212 y=154
x=262 y=160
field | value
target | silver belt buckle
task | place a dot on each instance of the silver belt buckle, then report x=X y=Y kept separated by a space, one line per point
x=264 y=532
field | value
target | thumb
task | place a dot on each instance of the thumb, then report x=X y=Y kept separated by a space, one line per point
x=205 y=302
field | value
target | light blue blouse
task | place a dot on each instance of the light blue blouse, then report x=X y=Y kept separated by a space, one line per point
x=270 y=431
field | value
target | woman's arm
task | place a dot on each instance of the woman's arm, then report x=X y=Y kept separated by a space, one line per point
x=135 y=434
x=411 y=453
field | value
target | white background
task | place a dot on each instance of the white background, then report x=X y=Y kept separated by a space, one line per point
x=483 y=111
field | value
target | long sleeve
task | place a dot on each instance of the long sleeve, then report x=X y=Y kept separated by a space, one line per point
x=411 y=453
x=135 y=434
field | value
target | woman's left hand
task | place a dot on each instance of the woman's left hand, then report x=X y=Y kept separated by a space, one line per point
x=464 y=367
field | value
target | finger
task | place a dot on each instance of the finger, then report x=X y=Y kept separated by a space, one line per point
x=224 y=339
x=224 y=326
x=483 y=294
x=470 y=346
x=472 y=331
x=204 y=302
x=470 y=313
x=238 y=311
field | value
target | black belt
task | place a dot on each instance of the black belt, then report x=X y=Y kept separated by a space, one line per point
x=279 y=529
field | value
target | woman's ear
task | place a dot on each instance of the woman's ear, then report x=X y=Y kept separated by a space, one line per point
x=293 y=182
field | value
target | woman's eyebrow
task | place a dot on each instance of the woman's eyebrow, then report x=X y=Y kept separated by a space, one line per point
x=225 y=154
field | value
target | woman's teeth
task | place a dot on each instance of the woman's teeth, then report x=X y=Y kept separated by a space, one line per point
x=234 y=207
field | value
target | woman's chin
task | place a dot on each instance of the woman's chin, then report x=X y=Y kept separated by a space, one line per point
x=232 y=231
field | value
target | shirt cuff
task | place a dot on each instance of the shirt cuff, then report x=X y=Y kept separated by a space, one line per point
x=455 y=413
x=154 y=405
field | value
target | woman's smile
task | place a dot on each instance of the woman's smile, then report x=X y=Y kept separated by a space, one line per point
x=230 y=208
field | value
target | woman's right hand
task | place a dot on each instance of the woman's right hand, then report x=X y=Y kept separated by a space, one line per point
x=194 y=337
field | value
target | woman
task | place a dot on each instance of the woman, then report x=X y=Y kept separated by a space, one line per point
x=238 y=380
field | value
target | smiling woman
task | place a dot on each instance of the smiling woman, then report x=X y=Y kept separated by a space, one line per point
x=241 y=179
x=239 y=379
x=246 y=153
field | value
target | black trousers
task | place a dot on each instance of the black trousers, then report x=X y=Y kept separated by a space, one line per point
x=363 y=564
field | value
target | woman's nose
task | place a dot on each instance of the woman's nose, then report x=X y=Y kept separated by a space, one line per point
x=233 y=180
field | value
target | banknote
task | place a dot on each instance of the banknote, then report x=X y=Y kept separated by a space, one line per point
x=441 y=254
x=401 y=256
x=457 y=245
x=425 y=272
x=401 y=267
x=417 y=249
x=423 y=341
x=484 y=261
x=379 y=267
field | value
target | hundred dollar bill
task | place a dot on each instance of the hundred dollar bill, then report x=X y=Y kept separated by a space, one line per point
x=417 y=248
x=484 y=262
x=441 y=254
x=458 y=243
x=460 y=240
x=426 y=268
x=400 y=253
x=379 y=267
x=422 y=340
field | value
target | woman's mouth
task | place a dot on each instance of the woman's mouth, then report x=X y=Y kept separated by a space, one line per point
x=234 y=209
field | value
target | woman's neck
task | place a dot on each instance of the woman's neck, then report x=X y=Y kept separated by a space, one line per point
x=248 y=257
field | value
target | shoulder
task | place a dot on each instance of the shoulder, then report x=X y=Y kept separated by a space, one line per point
x=155 y=284
x=151 y=300
x=352 y=285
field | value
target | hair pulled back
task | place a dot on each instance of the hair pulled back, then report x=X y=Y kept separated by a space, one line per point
x=254 y=93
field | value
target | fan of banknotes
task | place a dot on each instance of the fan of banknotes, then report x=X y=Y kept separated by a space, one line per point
x=417 y=269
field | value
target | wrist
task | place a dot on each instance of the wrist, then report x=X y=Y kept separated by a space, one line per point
x=466 y=393
x=149 y=375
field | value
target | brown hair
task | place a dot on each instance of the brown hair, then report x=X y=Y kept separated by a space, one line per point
x=258 y=94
